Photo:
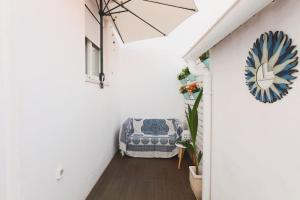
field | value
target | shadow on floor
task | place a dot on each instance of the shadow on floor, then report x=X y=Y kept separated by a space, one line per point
x=128 y=178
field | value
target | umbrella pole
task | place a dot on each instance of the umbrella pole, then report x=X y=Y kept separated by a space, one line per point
x=101 y=75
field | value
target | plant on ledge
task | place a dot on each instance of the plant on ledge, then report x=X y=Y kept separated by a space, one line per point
x=204 y=56
x=183 y=74
x=192 y=119
x=183 y=90
x=193 y=89
x=180 y=76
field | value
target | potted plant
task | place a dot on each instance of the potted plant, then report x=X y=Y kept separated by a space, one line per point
x=196 y=92
x=190 y=76
x=193 y=89
x=205 y=58
x=196 y=155
x=186 y=71
x=185 y=93
x=181 y=77
x=186 y=75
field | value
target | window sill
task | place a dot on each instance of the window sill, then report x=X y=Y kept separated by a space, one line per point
x=94 y=81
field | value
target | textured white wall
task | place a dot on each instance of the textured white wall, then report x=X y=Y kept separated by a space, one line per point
x=59 y=118
x=255 y=146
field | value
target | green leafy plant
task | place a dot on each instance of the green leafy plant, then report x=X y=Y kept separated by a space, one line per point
x=183 y=90
x=192 y=118
x=186 y=71
x=183 y=74
x=204 y=56
x=193 y=88
x=196 y=90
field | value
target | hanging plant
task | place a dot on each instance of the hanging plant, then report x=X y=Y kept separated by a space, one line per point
x=192 y=88
x=204 y=56
x=184 y=92
x=183 y=74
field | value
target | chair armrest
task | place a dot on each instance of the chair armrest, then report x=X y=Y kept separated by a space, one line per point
x=178 y=127
x=126 y=130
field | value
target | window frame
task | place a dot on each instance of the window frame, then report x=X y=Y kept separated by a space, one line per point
x=89 y=61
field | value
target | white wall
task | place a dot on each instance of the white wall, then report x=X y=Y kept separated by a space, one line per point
x=59 y=118
x=2 y=116
x=4 y=100
x=149 y=68
x=255 y=146
x=56 y=118
x=148 y=84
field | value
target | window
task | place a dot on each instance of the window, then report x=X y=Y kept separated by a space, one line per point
x=92 y=59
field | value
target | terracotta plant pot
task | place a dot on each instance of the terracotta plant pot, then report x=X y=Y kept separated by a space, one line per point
x=196 y=183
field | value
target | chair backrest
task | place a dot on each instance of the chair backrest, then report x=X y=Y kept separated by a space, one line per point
x=154 y=126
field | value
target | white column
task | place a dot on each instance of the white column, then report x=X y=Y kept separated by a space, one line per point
x=198 y=68
x=207 y=136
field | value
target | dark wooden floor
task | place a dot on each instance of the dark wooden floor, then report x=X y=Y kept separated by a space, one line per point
x=143 y=179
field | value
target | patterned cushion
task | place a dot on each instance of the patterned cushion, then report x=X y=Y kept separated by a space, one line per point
x=140 y=139
x=155 y=127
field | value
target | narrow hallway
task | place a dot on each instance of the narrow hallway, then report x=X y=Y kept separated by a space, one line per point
x=143 y=179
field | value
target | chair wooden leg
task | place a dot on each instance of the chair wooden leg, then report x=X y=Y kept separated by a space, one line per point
x=180 y=156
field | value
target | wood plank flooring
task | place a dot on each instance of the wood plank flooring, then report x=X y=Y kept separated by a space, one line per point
x=143 y=179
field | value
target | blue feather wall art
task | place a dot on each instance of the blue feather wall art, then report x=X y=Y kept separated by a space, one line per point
x=271 y=64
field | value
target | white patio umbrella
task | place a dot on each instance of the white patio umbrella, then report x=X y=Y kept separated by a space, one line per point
x=141 y=19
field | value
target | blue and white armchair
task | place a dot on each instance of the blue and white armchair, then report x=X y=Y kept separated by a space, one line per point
x=150 y=138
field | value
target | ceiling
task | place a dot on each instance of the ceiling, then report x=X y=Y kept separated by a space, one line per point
x=237 y=13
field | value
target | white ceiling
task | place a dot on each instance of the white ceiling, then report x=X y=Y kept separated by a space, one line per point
x=236 y=14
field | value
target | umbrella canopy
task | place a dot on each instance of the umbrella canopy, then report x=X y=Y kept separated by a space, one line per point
x=141 y=19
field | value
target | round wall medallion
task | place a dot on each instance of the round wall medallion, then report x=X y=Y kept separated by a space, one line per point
x=271 y=66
